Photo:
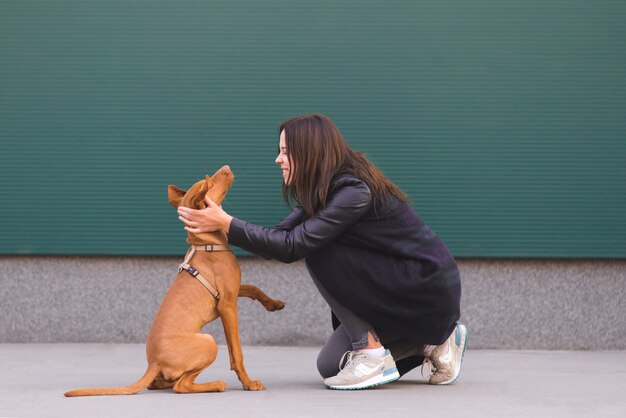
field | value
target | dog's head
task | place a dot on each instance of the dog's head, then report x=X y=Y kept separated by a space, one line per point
x=215 y=187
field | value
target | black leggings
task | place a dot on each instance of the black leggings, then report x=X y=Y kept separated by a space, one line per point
x=352 y=335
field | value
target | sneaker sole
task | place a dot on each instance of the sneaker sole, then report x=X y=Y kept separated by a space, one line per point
x=381 y=379
x=464 y=345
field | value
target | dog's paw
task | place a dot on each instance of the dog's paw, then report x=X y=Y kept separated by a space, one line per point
x=220 y=386
x=276 y=305
x=255 y=385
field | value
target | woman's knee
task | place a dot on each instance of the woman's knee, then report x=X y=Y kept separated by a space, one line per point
x=327 y=366
x=330 y=355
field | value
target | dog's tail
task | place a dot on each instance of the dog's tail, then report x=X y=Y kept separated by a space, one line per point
x=138 y=386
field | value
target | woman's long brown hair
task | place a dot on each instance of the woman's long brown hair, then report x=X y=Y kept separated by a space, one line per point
x=317 y=152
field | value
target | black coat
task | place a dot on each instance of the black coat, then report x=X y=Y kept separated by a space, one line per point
x=385 y=264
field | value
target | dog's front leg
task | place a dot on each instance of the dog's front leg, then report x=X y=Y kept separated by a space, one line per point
x=228 y=313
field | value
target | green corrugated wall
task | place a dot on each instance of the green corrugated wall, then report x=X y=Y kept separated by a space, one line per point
x=504 y=121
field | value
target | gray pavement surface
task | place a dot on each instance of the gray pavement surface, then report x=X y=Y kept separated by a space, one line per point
x=492 y=384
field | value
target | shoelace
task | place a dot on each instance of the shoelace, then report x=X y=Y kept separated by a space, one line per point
x=348 y=366
x=432 y=364
x=431 y=367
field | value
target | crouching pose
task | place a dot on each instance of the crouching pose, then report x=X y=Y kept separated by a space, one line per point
x=392 y=285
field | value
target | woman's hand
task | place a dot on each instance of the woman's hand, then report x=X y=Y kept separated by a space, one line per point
x=212 y=218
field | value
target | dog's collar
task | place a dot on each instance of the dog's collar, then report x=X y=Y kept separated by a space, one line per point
x=211 y=247
x=194 y=272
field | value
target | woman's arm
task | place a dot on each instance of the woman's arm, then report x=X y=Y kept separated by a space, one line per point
x=214 y=218
x=343 y=209
x=294 y=218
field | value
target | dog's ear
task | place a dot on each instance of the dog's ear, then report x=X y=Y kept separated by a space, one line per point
x=198 y=201
x=175 y=195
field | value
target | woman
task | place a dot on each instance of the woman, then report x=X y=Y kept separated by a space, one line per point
x=392 y=285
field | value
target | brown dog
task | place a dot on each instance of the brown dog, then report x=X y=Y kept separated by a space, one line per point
x=176 y=350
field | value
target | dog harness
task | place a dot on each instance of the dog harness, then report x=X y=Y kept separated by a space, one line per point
x=195 y=273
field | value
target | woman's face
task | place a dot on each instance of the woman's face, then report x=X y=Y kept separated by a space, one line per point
x=283 y=158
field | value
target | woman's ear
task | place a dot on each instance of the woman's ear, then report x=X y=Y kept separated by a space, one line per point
x=175 y=195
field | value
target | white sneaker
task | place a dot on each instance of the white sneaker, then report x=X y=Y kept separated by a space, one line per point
x=362 y=371
x=445 y=360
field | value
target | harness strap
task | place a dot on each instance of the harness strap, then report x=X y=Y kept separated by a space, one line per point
x=195 y=273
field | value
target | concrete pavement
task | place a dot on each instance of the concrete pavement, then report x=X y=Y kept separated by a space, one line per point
x=493 y=383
